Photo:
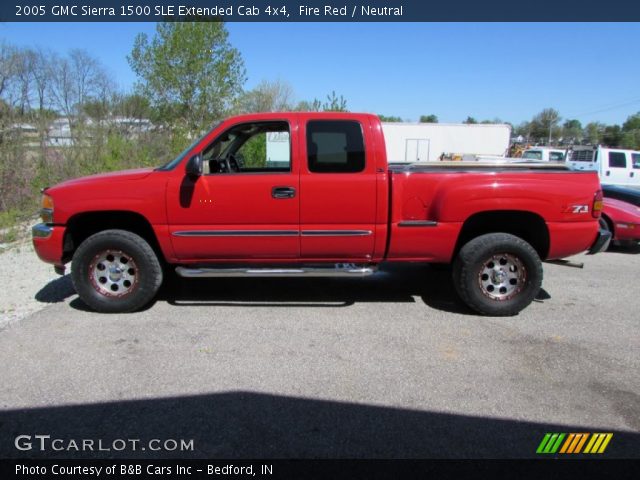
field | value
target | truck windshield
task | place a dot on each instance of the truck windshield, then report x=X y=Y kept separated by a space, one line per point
x=532 y=155
x=172 y=164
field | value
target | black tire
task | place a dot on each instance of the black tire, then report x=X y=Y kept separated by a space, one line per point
x=606 y=225
x=116 y=271
x=508 y=288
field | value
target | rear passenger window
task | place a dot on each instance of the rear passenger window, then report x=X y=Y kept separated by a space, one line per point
x=635 y=158
x=335 y=147
x=556 y=156
x=617 y=160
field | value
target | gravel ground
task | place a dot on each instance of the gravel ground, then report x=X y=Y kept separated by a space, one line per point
x=26 y=283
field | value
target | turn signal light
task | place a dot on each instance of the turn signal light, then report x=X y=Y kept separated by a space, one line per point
x=46 y=210
x=597 y=204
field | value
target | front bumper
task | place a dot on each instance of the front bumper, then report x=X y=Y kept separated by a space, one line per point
x=602 y=242
x=48 y=242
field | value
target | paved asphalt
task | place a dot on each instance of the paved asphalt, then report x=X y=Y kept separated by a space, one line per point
x=392 y=366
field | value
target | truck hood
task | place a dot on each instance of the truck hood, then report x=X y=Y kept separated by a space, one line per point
x=122 y=175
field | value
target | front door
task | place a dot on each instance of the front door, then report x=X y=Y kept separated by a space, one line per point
x=246 y=205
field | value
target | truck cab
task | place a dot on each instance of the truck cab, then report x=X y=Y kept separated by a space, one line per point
x=615 y=166
x=544 y=154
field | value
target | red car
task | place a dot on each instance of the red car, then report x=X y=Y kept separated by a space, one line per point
x=622 y=219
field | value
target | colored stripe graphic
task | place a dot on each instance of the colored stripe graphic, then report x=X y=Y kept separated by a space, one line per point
x=567 y=443
x=574 y=442
x=550 y=443
x=598 y=443
x=581 y=443
x=543 y=443
x=605 y=443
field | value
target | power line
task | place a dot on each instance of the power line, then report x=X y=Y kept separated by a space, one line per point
x=606 y=109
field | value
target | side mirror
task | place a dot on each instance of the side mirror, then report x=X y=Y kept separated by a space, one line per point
x=194 y=166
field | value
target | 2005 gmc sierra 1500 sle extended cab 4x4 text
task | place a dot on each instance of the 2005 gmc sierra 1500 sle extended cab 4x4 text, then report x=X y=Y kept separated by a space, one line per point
x=312 y=194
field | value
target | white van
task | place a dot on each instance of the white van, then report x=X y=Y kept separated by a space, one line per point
x=616 y=166
x=544 y=154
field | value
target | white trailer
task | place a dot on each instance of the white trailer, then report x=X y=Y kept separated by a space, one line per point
x=426 y=142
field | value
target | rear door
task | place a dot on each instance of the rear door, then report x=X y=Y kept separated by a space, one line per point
x=617 y=167
x=337 y=190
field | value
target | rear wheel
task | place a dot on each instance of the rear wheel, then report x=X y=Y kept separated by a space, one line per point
x=116 y=271
x=497 y=274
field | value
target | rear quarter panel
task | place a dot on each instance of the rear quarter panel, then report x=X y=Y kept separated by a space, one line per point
x=450 y=197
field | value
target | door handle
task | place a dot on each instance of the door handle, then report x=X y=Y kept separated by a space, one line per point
x=283 y=192
x=608 y=172
x=631 y=174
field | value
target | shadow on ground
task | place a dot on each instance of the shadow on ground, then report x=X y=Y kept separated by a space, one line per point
x=628 y=249
x=253 y=425
x=393 y=283
x=57 y=290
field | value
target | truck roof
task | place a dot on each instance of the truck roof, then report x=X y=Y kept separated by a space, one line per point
x=283 y=115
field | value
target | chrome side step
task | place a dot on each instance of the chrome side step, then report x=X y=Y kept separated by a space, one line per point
x=337 y=270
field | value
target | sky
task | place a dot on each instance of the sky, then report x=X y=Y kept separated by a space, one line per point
x=510 y=71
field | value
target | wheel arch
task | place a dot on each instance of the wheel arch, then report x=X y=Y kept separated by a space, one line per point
x=82 y=225
x=610 y=223
x=528 y=226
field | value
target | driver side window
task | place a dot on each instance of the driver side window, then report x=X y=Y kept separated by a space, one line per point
x=257 y=147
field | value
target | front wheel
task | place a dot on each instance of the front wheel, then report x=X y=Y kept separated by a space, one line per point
x=116 y=271
x=497 y=274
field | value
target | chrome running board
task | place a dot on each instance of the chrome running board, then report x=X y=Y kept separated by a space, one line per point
x=335 y=270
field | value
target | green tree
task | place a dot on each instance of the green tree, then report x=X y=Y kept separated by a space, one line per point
x=95 y=109
x=334 y=103
x=631 y=139
x=306 y=106
x=470 y=121
x=544 y=123
x=632 y=123
x=593 y=132
x=631 y=132
x=429 y=118
x=572 y=131
x=275 y=96
x=390 y=118
x=612 y=135
x=189 y=71
x=132 y=106
x=491 y=122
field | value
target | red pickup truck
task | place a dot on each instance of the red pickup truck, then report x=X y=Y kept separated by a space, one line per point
x=312 y=194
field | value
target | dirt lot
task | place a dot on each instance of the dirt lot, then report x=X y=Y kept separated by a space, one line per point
x=389 y=366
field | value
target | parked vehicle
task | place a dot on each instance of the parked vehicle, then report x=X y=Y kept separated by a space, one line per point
x=629 y=194
x=544 y=154
x=428 y=142
x=622 y=219
x=616 y=166
x=329 y=205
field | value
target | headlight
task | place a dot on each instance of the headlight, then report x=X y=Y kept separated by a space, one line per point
x=46 y=210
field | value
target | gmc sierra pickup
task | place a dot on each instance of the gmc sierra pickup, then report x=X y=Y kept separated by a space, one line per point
x=312 y=194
